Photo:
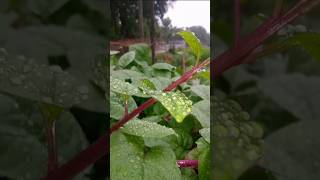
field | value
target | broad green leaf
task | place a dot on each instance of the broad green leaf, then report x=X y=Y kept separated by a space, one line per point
x=163 y=66
x=143 y=53
x=22 y=141
x=294 y=151
x=127 y=58
x=117 y=105
x=193 y=42
x=309 y=41
x=176 y=103
x=122 y=87
x=237 y=141
x=129 y=160
x=297 y=93
x=205 y=133
x=202 y=91
x=154 y=119
x=146 y=129
x=201 y=110
x=52 y=85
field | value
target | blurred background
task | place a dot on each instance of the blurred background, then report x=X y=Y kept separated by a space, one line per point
x=280 y=90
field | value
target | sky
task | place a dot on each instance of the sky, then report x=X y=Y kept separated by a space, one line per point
x=186 y=13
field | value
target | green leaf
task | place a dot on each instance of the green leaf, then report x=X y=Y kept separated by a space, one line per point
x=205 y=165
x=143 y=53
x=176 y=103
x=293 y=151
x=201 y=110
x=202 y=91
x=296 y=93
x=117 y=105
x=129 y=160
x=163 y=66
x=193 y=42
x=205 y=133
x=122 y=87
x=52 y=85
x=310 y=42
x=146 y=129
x=127 y=58
x=237 y=141
x=22 y=140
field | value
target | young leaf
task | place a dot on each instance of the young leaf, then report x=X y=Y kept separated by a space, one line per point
x=192 y=41
x=202 y=91
x=176 y=103
x=146 y=129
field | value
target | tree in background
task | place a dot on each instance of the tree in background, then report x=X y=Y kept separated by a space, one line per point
x=125 y=16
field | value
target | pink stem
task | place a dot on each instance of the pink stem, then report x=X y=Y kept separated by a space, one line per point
x=187 y=163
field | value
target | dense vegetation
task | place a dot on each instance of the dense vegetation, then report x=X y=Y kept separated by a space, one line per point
x=174 y=131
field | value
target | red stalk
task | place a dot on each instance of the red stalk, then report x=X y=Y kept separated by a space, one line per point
x=187 y=163
x=236 y=55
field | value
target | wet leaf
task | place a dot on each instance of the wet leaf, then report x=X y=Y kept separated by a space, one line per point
x=146 y=129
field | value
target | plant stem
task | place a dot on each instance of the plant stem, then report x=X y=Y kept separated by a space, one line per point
x=237 y=54
x=52 y=147
x=187 y=163
x=236 y=21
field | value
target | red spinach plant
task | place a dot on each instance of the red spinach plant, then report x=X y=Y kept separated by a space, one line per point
x=144 y=136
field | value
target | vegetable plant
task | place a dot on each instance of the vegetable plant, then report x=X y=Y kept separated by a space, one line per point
x=160 y=119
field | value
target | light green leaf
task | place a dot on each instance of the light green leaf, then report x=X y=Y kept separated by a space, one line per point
x=146 y=129
x=202 y=91
x=129 y=160
x=201 y=110
x=193 y=42
x=127 y=58
x=176 y=103
x=122 y=87
x=205 y=133
x=163 y=66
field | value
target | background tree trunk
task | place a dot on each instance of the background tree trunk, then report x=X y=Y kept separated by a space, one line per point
x=152 y=31
x=141 y=24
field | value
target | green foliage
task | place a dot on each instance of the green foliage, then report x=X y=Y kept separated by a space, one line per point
x=193 y=42
x=148 y=146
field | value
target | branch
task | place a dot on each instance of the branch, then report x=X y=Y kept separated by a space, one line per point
x=52 y=147
x=237 y=54
x=101 y=147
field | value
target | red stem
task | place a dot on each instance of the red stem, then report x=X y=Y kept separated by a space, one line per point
x=187 y=163
x=237 y=21
x=52 y=147
x=237 y=54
